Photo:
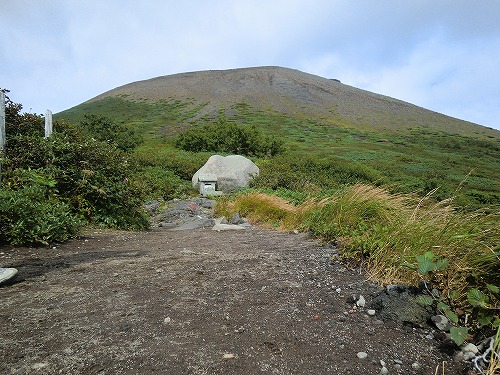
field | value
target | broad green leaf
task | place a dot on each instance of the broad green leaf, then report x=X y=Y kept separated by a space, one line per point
x=493 y=288
x=496 y=323
x=442 y=264
x=477 y=298
x=429 y=255
x=458 y=334
x=454 y=294
x=425 y=266
x=484 y=319
x=451 y=315
x=425 y=300
x=443 y=306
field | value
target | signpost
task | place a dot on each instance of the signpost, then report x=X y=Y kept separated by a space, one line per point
x=48 y=123
x=2 y=129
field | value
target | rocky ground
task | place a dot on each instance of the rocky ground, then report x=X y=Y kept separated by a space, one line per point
x=186 y=299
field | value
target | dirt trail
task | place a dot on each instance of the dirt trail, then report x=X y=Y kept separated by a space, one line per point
x=197 y=302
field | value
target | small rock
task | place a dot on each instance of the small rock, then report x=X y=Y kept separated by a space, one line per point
x=415 y=365
x=167 y=320
x=361 y=301
x=459 y=357
x=371 y=312
x=397 y=361
x=397 y=366
x=378 y=322
x=441 y=322
x=235 y=219
x=362 y=355
x=228 y=356
x=470 y=348
x=383 y=371
x=382 y=363
x=338 y=290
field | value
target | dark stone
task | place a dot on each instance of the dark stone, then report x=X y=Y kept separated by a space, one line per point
x=235 y=219
x=398 y=303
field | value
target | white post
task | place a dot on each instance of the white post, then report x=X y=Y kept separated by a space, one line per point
x=48 y=123
x=2 y=129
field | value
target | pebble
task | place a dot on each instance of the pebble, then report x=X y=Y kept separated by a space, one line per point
x=399 y=362
x=383 y=371
x=441 y=322
x=167 y=320
x=361 y=301
x=229 y=356
x=415 y=365
x=397 y=366
x=362 y=355
x=371 y=312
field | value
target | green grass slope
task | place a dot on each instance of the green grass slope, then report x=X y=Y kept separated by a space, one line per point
x=331 y=125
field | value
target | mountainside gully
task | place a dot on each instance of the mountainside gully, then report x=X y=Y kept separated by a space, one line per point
x=199 y=301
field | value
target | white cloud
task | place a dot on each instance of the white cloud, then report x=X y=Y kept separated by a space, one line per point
x=441 y=55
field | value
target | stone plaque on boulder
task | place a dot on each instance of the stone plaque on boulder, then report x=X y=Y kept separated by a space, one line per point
x=233 y=172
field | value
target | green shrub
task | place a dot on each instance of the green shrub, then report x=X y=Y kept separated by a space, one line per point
x=31 y=211
x=157 y=182
x=228 y=137
x=94 y=178
x=106 y=130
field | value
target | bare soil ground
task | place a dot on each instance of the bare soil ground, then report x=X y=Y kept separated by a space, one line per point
x=197 y=302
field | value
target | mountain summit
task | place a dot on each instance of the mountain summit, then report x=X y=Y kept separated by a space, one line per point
x=294 y=93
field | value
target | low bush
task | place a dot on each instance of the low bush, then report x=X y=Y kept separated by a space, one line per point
x=105 y=129
x=157 y=182
x=32 y=212
x=228 y=137
x=92 y=179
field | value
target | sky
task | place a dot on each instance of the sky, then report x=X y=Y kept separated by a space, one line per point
x=442 y=55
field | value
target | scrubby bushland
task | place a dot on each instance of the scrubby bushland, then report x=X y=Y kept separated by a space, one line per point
x=92 y=180
x=32 y=212
x=105 y=129
x=303 y=173
x=228 y=137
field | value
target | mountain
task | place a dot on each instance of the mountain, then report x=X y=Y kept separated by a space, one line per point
x=332 y=132
x=286 y=91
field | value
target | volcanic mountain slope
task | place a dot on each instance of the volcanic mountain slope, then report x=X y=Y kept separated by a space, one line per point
x=292 y=92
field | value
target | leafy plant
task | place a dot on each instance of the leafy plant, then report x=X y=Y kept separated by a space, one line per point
x=32 y=212
x=427 y=266
x=105 y=129
x=228 y=137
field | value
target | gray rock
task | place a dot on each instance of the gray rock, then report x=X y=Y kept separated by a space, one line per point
x=226 y=227
x=361 y=302
x=469 y=351
x=441 y=322
x=383 y=371
x=233 y=172
x=152 y=206
x=235 y=219
x=398 y=303
x=371 y=312
x=361 y=355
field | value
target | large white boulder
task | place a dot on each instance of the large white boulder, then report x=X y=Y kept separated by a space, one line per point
x=233 y=172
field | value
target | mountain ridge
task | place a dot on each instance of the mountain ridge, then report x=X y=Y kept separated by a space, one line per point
x=294 y=93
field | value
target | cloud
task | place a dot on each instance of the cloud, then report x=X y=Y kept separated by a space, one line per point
x=440 y=55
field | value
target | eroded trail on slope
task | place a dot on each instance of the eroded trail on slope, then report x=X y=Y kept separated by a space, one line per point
x=197 y=302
